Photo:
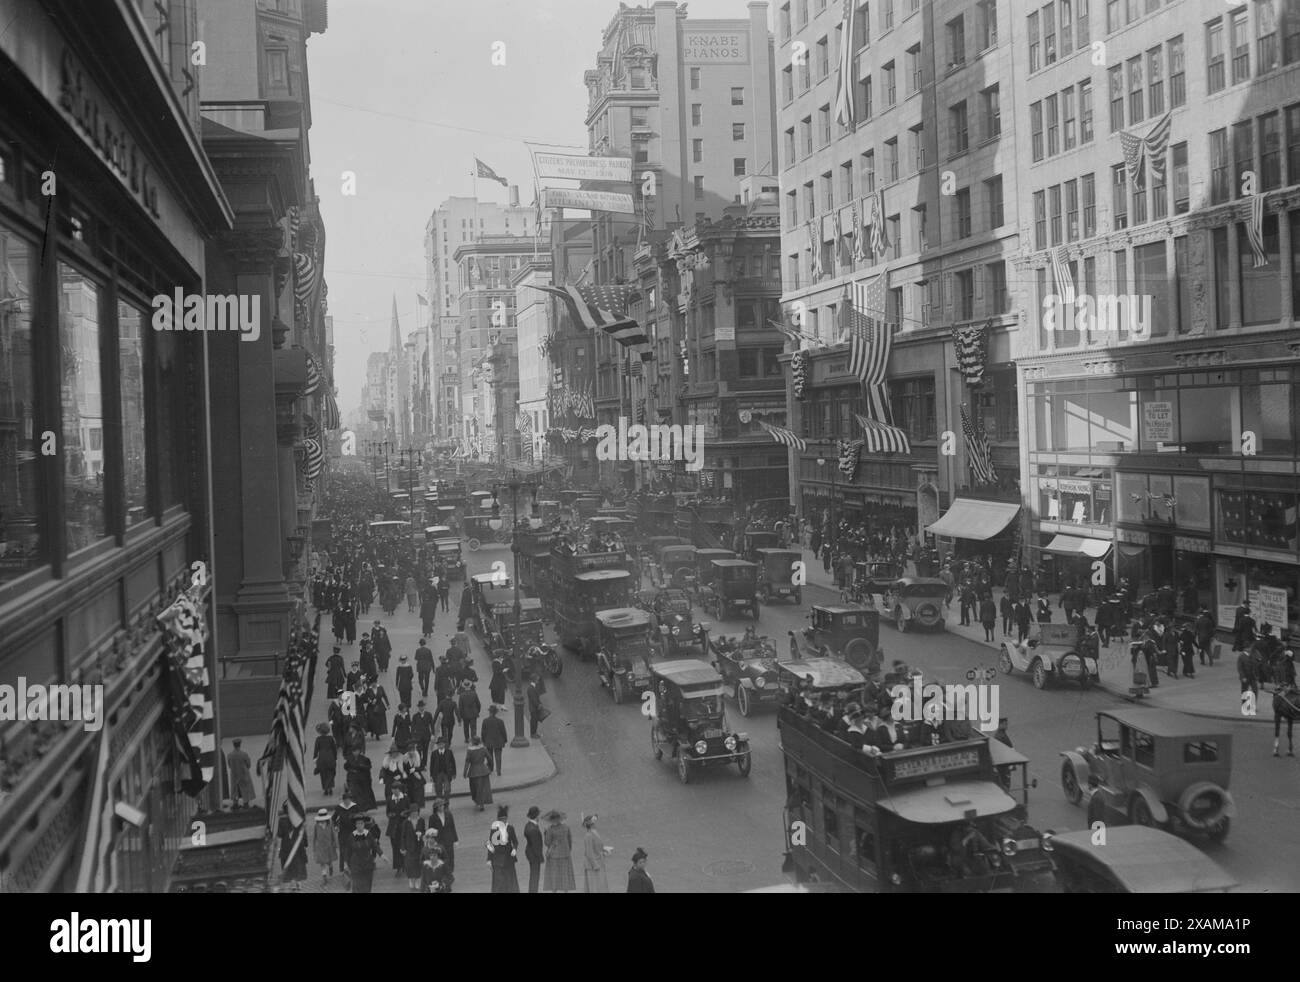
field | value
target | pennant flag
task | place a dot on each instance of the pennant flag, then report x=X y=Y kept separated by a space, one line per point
x=1255 y=230
x=849 y=453
x=487 y=173
x=971 y=344
x=979 y=457
x=845 y=83
x=788 y=437
x=815 y=247
x=871 y=339
x=190 y=689
x=1061 y=271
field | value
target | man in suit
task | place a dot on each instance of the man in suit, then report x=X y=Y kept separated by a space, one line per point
x=383 y=647
x=445 y=717
x=533 y=850
x=444 y=675
x=534 y=707
x=469 y=707
x=1023 y=618
x=494 y=738
x=442 y=768
x=405 y=679
x=424 y=666
x=422 y=731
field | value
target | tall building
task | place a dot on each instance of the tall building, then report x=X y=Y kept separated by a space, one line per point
x=1163 y=432
x=691 y=102
x=924 y=165
x=98 y=537
x=455 y=222
x=533 y=336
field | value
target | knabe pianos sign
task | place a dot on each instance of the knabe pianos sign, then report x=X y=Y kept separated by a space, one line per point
x=712 y=47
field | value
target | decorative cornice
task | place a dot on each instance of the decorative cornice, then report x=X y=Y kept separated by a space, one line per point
x=1114 y=366
x=1202 y=359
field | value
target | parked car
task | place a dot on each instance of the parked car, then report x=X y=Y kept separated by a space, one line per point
x=623 y=655
x=732 y=586
x=748 y=670
x=915 y=602
x=776 y=575
x=1055 y=655
x=689 y=719
x=1153 y=767
x=1133 y=859
x=851 y=632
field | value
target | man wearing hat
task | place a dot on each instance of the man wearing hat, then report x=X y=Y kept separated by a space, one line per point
x=638 y=880
x=369 y=666
x=442 y=768
x=443 y=676
x=382 y=645
x=346 y=814
x=469 y=707
x=422 y=731
x=405 y=679
x=533 y=849
x=423 y=666
x=494 y=738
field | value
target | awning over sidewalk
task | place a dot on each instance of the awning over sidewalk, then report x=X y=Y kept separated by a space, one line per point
x=972 y=519
x=1073 y=545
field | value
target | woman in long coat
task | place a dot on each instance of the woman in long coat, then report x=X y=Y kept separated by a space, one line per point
x=377 y=711
x=412 y=594
x=326 y=755
x=296 y=869
x=478 y=770
x=558 y=839
x=360 y=785
x=324 y=844
x=594 y=853
x=415 y=778
x=412 y=850
x=361 y=860
x=503 y=856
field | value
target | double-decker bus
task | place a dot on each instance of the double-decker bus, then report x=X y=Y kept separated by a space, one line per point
x=581 y=584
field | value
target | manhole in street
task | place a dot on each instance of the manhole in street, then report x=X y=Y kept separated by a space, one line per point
x=729 y=867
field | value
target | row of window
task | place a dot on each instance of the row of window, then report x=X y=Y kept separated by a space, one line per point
x=1255 y=147
x=1138 y=84
x=1064 y=118
x=1277 y=42
x=1072 y=19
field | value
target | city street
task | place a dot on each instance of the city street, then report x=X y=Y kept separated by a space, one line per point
x=721 y=833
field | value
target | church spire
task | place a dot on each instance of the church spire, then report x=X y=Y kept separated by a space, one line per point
x=395 y=335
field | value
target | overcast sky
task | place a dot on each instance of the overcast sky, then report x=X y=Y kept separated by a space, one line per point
x=405 y=95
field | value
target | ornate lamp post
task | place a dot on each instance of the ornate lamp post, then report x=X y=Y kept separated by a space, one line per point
x=516 y=654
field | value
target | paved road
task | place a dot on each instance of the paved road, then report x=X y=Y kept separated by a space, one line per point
x=721 y=833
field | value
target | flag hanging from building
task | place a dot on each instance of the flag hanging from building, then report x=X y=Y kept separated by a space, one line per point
x=859 y=236
x=879 y=240
x=1255 y=230
x=797 y=337
x=871 y=338
x=882 y=437
x=1152 y=147
x=849 y=454
x=420 y=299
x=979 y=456
x=788 y=437
x=604 y=308
x=971 y=345
x=1061 y=271
x=487 y=173
x=815 y=248
x=189 y=685
x=845 y=83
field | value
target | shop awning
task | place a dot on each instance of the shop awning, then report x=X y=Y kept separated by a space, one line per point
x=1073 y=545
x=971 y=519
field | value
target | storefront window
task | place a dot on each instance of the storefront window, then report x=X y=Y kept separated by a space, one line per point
x=1261 y=289
x=1062 y=422
x=1258 y=518
x=1192 y=495
x=82 y=445
x=135 y=468
x=1240 y=579
x=1132 y=489
x=20 y=498
x=1206 y=420
x=1113 y=420
x=1158 y=418
x=1266 y=412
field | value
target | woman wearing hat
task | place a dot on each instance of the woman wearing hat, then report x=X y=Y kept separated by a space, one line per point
x=558 y=839
x=324 y=844
x=479 y=771
x=326 y=756
x=638 y=880
x=594 y=852
x=365 y=850
x=412 y=847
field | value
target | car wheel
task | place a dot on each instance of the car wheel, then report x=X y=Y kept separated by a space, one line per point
x=858 y=653
x=742 y=700
x=1139 y=812
x=1039 y=672
x=473 y=545
x=1220 y=830
x=1004 y=662
x=1070 y=784
x=654 y=743
x=744 y=762
x=620 y=693
x=683 y=769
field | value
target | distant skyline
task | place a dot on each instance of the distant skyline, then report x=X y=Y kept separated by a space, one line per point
x=404 y=95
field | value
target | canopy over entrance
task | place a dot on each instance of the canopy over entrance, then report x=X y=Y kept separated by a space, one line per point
x=972 y=519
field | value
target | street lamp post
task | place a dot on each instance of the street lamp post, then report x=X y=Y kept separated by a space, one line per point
x=516 y=654
x=382 y=449
x=822 y=462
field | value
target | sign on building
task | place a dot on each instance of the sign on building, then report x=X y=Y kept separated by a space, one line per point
x=1158 y=422
x=572 y=167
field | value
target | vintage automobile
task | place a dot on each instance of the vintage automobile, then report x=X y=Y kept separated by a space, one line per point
x=486 y=589
x=1153 y=767
x=497 y=622
x=1133 y=859
x=623 y=653
x=1055 y=655
x=689 y=719
x=776 y=575
x=851 y=632
x=674 y=565
x=436 y=532
x=732 y=585
x=748 y=669
x=670 y=617
x=704 y=563
x=819 y=674
x=876 y=578
x=478 y=529
x=449 y=553
x=914 y=602
x=754 y=541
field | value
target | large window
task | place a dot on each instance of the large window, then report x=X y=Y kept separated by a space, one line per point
x=1150 y=279
x=131 y=369
x=912 y=401
x=1261 y=290
x=21 y=505
x=82 y=443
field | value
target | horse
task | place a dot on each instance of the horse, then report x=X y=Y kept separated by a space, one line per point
x=1286 y=705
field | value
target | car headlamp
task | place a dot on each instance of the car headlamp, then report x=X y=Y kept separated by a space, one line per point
x=701 y=748
x=729 y=743
x=1008 y=847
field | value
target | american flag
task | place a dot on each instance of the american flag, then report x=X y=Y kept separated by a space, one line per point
x=285 y=749
x=1133 y=148
x=870 y=337
x=788 y=437
x=603 y=307
x=487 y=173
x=879 y=240
x=1156 y=143
x=524 y=422
x=190 y=687
x=882 y=437
x=979 y=456
x=859 y=240
x=797 y=337
x=1064 y=281
x=845 y=83
x=1255 y=230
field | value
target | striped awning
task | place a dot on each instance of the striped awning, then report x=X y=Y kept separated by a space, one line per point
x=969 y=518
